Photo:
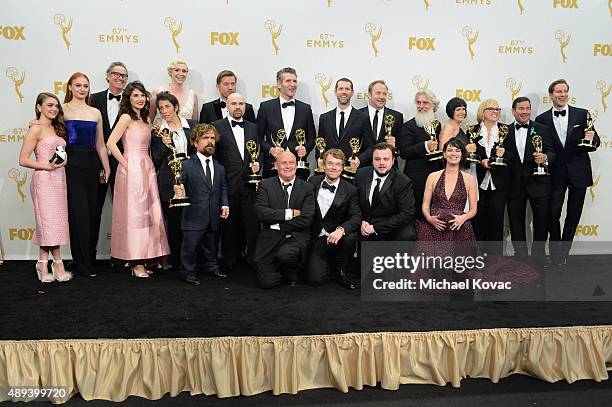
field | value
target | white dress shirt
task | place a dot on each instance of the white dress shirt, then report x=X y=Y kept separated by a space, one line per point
x=238 y=135
x=179 y=138
x=372 y=111
x=203 y=159
x=224 y=111
x=521 y=138
x=288 y=211
x=560 y=123
x=112 y=109
x=382 y=182
x=325 y=198
x=487 y=182
x=347 y=113
x=288 y=114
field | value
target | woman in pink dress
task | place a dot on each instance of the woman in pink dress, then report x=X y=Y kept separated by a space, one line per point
x=48 y=187
x=138 y=231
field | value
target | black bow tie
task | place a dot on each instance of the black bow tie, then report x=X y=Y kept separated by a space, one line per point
x=111 y=97
x=285 y=104
x=560 y=113
x=331 y=188
x=223 y=104
x=235 y=123
x=518 y=126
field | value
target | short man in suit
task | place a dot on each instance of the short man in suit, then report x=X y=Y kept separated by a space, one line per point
x=242 y=227
x=217 y=109
x=107 y=102
x=288 y=113
x=524 y=185
x=571 y=170
x=336 y=222
x=377 y=111
x=204 y=183
x=415 y=144
x=343 y=123
x=385 y=198
x=285 y=206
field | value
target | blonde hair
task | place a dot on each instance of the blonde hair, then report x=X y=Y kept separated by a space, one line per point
x=485 y=104
x=173 y=65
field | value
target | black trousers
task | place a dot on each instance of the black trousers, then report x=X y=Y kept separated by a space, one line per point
x=102 y=189
x=240 y=229
x=489 y=221
x=206 y=241
x=401 y=234
x=325 y=259
x=561 y=243
x=517 y=208
x=173 y=231
x=285 y=260
x=82 y=180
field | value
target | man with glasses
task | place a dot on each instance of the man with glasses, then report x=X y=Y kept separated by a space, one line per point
x=107 y=102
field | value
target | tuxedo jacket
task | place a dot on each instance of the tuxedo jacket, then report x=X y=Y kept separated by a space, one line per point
x=412 y=149
x=206 y=201
x=99 y=100
x=397 y=123
x=344 y=210
x=237 y=169
x=270 y=120
x=211 y=112
x=270 y=206
x=570 y=161
x=501 y=176
x=357 y=126
x=160 y=154
x=396 y=203
x=521 y=178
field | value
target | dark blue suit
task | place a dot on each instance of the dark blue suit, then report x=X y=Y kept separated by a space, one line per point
x=201 y=220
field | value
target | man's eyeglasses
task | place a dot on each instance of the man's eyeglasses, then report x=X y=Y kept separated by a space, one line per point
x=119 y=75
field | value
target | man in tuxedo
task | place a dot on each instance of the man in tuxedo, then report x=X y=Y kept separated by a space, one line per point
x=288 y=113
x=377 y=111
x=385 y=198
x=231 y=151
x=343 y=123
x=525 y=186
x=336 y=222
x=217 y=109
x=285 y=206
x=107 y=102
x=571 y=170
x=415 y=144
x=204 y=183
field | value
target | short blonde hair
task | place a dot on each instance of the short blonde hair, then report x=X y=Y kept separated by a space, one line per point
x=173 y=65
x=485 y=104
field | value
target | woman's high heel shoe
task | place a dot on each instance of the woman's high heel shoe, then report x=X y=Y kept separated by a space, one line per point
x=66 y=275
x=140 y=273
x=46 y=278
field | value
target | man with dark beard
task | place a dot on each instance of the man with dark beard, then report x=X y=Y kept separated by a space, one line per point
x=385 y=198
x=415 y=145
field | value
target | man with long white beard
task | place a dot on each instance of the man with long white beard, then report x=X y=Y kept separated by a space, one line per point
x=415 y=145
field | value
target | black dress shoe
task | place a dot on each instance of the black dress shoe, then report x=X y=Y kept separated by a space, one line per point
x=192 y=279
x=345 y=281
x=292 y=283
x=220 y=274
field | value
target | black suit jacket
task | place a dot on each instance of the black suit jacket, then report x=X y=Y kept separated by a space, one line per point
x=412 y=149
x=160 y=155
x=270 y=206
x=270 y=120
x=570 y=161
x=521 y=178
x=397 y=123
x=206 y=202
x=501 y=176
x=211 y=112
x=357 y=126
x=396 y=204
x=99 y=100
x=237 y=169
x=344 y=210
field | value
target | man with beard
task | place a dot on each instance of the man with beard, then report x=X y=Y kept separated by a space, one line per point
x=241 y=227
x=217 y=109
x=287 y=113
x=415 y=145
x=386 y=199
x=204 y=183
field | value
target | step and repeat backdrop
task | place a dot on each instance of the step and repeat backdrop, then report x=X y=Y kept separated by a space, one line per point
x=475 y=49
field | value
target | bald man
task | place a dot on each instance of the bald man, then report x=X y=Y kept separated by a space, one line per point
x=239 y=231
x=285 y=206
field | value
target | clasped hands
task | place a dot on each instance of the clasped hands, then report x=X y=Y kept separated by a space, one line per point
x=455 y=224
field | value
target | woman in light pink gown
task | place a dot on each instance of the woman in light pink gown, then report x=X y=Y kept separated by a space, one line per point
x=138 y=231
x=48 y=187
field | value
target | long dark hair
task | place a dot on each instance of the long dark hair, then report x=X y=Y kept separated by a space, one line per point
x=126 y=107
x=69 y=94
x=455 y=142
x=58 y=121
